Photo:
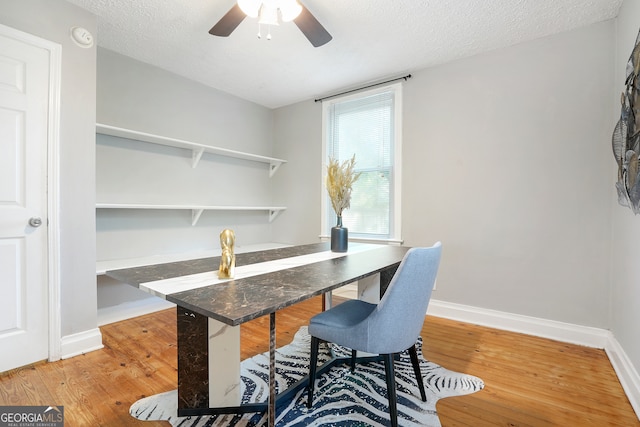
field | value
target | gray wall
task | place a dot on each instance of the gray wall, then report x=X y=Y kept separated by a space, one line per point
x=132 y=94
x=298 y=130
x=625 y=306
x=52 y=21
x=506 y=160
x=137 y=96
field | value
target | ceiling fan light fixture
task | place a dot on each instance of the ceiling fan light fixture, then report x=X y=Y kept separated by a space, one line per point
x=270 y=12
x=268 y=15
x=289 y=9
x=267 y=10
x=251 y=8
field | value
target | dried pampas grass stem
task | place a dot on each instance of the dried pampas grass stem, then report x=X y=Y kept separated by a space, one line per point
x=340 y=179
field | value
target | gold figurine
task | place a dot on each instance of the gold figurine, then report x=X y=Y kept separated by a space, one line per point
x=228 y=258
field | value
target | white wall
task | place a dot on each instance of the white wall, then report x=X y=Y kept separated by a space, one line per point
x=507 y=161
x=52 y=21
x=625 y=305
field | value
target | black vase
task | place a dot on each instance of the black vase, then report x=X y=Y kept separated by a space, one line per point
x=339 y=237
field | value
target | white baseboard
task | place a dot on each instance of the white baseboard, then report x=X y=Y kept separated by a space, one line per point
x=84 y=342
x=131 y=309
x=560 y=331
x=80 y=343
x=565 y=332
x=627 y=373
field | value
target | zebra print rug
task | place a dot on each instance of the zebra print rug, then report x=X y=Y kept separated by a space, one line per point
x=341 y=398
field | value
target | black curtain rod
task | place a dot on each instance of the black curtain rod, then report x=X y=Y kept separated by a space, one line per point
x=405 y=78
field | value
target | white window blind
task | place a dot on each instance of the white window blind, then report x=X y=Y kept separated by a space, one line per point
x=365 y=125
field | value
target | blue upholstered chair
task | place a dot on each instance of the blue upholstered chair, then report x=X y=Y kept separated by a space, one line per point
x=387 y=328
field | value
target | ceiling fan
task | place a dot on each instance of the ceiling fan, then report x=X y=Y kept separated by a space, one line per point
x=267 y=12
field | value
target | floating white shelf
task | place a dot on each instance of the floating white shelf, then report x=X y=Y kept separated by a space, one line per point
x=196 y=210
x=196 y=149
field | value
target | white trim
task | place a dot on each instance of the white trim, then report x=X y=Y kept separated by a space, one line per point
x=396 y=220
x=323 y=172
x=130 y=309
x=53 y=175
x=627 y=374
x=560 y=331
x=80 y=343
x=53 y=208
x=397 y=164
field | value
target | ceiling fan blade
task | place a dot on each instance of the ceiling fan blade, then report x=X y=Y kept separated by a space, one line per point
x=229 y=22
x=311 y=28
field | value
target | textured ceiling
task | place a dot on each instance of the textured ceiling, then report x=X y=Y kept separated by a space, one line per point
x=372 y=39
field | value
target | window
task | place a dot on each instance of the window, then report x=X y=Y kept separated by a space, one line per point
x=368 y=125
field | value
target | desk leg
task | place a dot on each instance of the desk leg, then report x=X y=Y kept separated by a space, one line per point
x=272 y=369
x=193 y=370
x=208 y=363
x=369 y=289
x=385 y=278
x=224 y=364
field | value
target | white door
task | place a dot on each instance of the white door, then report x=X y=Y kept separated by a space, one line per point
x=24 y=100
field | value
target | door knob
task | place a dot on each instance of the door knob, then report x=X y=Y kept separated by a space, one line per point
x=35 y=222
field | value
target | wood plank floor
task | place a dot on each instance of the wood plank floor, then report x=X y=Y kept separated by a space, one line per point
x=529 y=381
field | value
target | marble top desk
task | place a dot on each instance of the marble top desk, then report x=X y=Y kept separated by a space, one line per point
x=210 y=310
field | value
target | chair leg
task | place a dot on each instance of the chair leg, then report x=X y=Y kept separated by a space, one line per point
x=313 y=362
x=416 y=368
x=391 y=388
x=354 y=353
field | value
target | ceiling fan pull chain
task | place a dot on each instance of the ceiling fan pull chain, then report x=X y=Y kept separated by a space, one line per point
x=259 y=30
x=268 y=32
